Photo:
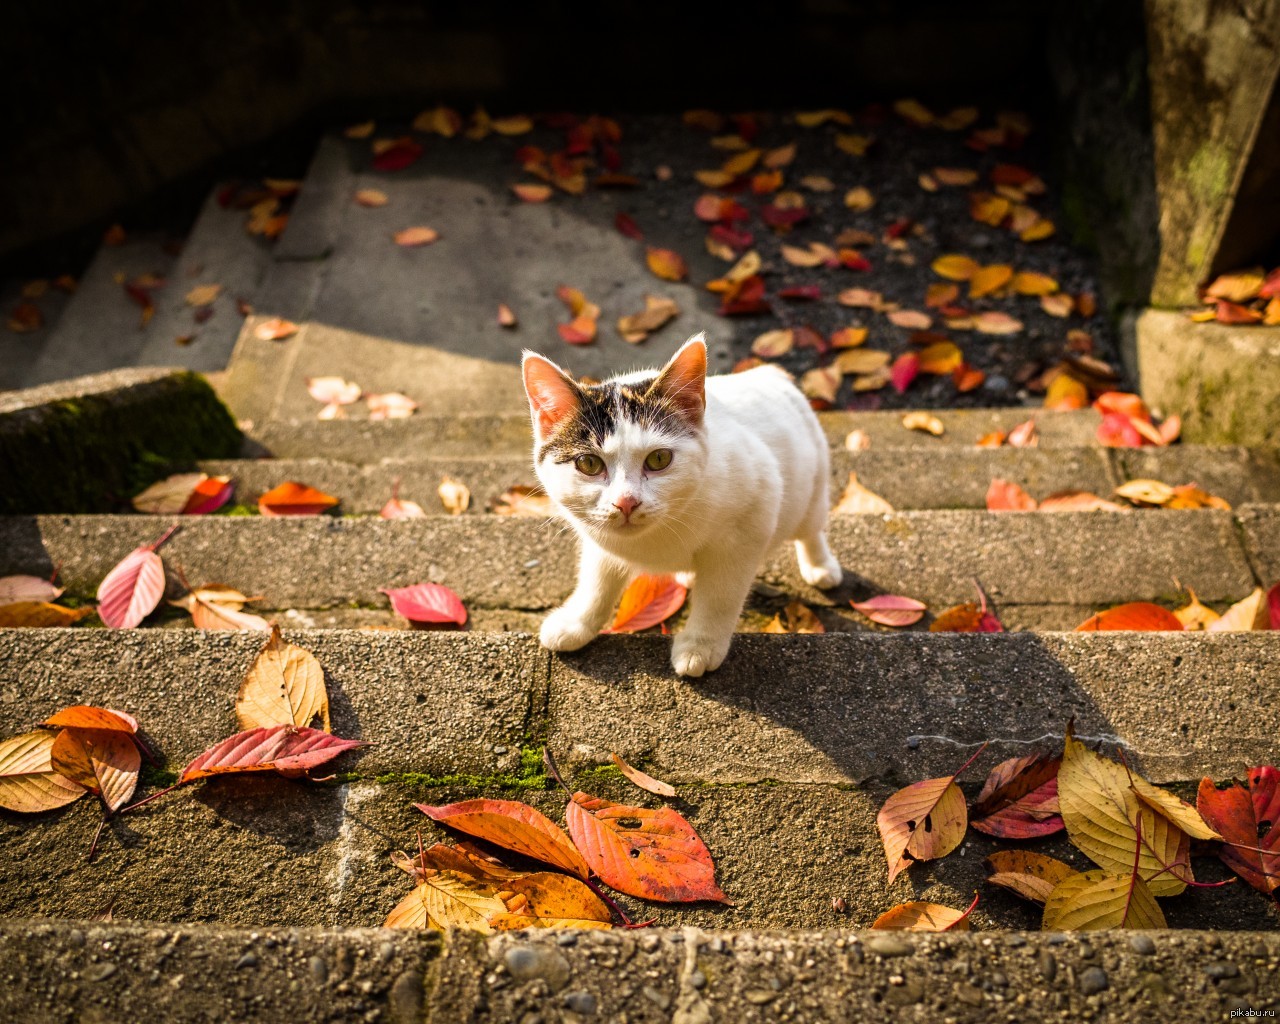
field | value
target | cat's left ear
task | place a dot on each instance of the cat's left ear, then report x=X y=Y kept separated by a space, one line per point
x=683 y=381
x=553 y=394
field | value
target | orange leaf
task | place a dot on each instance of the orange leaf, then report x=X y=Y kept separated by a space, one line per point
x=513 y=826
x=940 y=358
x=955 y=267
x=275 y=329
x=990 y=279
x=104 y=761
x=924 y=821
x=28 y=781
x=919 y=916
x=295 y=499
x=39 y=615
x=412 y=237
x=532 y=193
x=666 y=264
x=652 y=854
x=1004 y=496
x=1027 y=282
x=371 y=197
x=912 y=319
x=1065 y=392
x=647 y=601
x=84 y=716
x=1136 y=615
x=282 y=748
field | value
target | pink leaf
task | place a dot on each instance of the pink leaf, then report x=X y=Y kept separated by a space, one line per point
x=427 y=602
x=891 y=609
x=1005 y=496
x=269 y=748
x=133 y=588
x=904 y=371
x=27 y=588
x=1273 y=604
x=209 y=496
x=1023 y=435
x=1117 y=431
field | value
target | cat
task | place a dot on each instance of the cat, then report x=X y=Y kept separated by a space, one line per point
x=672 y=471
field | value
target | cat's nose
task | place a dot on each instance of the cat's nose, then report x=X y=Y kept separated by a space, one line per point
x=626 y=505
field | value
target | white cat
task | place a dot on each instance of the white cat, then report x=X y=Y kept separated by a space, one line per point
x=675 y=472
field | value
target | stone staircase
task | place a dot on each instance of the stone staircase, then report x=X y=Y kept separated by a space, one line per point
x=259 y=898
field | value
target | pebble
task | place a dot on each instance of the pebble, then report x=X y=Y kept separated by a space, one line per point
x=1015 y=941
x=99 y=972
x=499 y=749
x=888 y=945
x=659 y=999
x=405 y=998
x=1221 y=969
x=580 y=1002
x=566 y=939
x=997 y=382
x=527 y=963
x=1086 y=951
x=1093 y=980
x=1143 y=945
x=1048 y=964
x=248 y=960
x=998 y=979
x=319 y=970
x=698 y=980
x=759 y=996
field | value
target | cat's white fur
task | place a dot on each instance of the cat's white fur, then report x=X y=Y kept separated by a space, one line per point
x=752 y=475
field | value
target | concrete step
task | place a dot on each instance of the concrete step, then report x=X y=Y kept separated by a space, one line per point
x=1064 y=559
x=299 y=435
x=782 y=760
x=100 y=327
x=20 y=352
x=908 y=478
x=69 y=970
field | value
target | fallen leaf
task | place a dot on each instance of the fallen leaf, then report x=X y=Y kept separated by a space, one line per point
x=920 y=916
x=666 y=264
x=817 y=118
x=967 y=378
x=1066 y=393
x=1247 y=816
x=396 y=155
x=859 y=199
x=410 y=238
x=1194 y=615
x=658 y=310
x=1078 y=501
x=275 y=329
x=333 y=390
x=132 y=590
x=1096 y=899
x=168 y=496
x=652 y=854
x=955 y=267
x=209 y=612
x=1102 y=813
x=517 y=124
x=390 y=406
x=857 y=500
x=284 y=686
x=1058 y=304
x=796 y=617
x=371 y=197
x=1024 y=435
x=822 y=383
x=1019 y=799
x=1136 y=615
x=912 y=319
x=860 y=360
x=1037 y=230
x=924 y=422
x=773 y=344
x=993 y=321
x=455 y=496
x=1252 y=612
x=203 y=294
x=1006 y=496
x=439 y=120
x=1028 y=282
x=445 y=900
x=647 y=601
x=941 y=358
x=427 y=602
x=39 y=615
x=914 y=111
x=282 y=748
x=531 y=192
x=639 y=778
x=103 y=761
x=987 y=280
x=891 y=610
x=28 y=782
x=506 y=318
x=924 y=821
x=294 y=499
x=967 y=618
x=848 y=337
x=513 y=826
x=955 y=175
x=1032 y=876
x=401 y=508
x=522 y=500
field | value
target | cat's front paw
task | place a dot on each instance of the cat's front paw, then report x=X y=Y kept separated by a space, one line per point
x=564 y=631
x=825 y=576
x=692 y=655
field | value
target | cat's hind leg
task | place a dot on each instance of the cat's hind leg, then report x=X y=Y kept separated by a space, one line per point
x=819 y=567
x=578 y=621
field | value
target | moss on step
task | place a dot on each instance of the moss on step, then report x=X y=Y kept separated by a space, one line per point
x=92 y=453
x=531 y=774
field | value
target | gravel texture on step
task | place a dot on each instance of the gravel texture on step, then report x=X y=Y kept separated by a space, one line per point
x=1077 y=558
x=59 y=970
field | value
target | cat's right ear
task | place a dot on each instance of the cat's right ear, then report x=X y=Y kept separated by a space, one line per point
x=553 y=394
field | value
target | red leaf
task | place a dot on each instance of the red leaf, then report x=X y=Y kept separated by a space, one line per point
x=1117 y=431
x=285 y=748
x=647 y=601
x=801 y=292
x=626 y=224
x=133 y=588
x=209 y=496
x=903 y=371
x=735 y=238
x=427 y=602
x=655 y=855
x=853 y=260
x=295 y=499
x=891 y=609
x=1005 y=496
x=1234 y=313
x=1273 y=605
x=1019 y=800
x=513 y=826
x=1124 y=402
x=1248 y=817
x=1136 y=615
x=399 y=155
x=748 y=299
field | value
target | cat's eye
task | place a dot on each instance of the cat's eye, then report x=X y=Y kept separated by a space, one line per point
x=658 y=459
x=591 y=465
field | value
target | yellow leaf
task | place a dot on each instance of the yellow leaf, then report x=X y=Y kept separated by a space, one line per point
x=455 y=496
x=859 y=199
x=989 y=279
x=857 y=500
x=955 y=267
x=861 y=360
x=1031 y=875
x=914 y=111
x=448 y=899
x=1028 y=282
x=203 y=294
x=285 y=686
x=741 y=163
x=39 y=615
x=1146 y=492
x=1042 y=228
x=1096 y=899
x=821 y=382
x=28 y=782
x=924 y=422
x=796 y=617
x=1065 y=392
x=854 y=145
x=817 y=118
x=1194 y=615
x=773 y=344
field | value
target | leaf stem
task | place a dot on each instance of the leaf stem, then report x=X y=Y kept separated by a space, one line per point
x=164 y=536
x=613 y=904
x=93 y=847
x=153 y=796
x=956 y=774
x=550 y=762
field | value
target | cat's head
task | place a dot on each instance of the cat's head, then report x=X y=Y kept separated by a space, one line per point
x=623 y=456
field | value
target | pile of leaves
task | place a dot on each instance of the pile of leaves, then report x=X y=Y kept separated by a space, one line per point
x=282 y=710
x=1245 y=297
x=647 y=853
x=1139 y=836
